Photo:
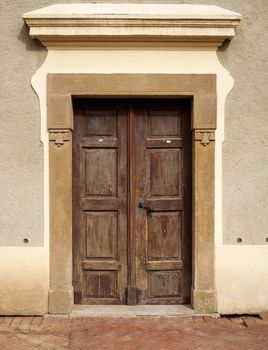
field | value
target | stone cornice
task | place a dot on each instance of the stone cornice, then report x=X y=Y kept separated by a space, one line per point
x=95 y=22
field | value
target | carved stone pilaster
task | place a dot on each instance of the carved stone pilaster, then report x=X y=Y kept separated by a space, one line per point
x=204 y=136
x=204 y=294
x=60 y=178
x=59 y=136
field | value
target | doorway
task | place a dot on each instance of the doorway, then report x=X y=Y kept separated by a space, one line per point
x=132 y=201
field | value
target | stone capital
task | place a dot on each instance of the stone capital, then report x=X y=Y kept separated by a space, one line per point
x=59 y=136
x=204 y=136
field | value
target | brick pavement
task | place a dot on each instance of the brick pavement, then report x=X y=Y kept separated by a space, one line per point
x=143 y=333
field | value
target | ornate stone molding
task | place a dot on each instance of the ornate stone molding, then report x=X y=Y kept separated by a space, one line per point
x=84 y=23
x=204 y=136
x=59 y=136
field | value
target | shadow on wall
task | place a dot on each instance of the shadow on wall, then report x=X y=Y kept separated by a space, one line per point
x=30 y=44
x=224 y=45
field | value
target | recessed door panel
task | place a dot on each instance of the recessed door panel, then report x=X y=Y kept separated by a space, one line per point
x=100 y=123
x=164 y=172
x=101 y=235
x=164 y=235
x=171 y=127
x=100 y=167
x=165 y=284
x=100 y=285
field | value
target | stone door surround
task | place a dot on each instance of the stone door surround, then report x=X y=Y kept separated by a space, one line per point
x=188 y=29
x=201 y=88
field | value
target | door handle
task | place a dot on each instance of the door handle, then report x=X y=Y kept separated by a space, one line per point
x=144 y=207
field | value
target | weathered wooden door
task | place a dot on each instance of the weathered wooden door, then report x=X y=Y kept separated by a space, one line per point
x=100 y=202
x=163 y=195
x=132 y=202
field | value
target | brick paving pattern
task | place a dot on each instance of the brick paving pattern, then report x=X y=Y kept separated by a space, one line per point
x=143 y=333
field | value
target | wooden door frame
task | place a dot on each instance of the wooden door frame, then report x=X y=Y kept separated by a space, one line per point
x=201 y=88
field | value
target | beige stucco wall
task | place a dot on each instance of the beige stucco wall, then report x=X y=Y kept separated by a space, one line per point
x=23 y=280
x=240 y=270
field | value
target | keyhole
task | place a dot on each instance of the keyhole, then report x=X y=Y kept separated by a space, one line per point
x=164 y=226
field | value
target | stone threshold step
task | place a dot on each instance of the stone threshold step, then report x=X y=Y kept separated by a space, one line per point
x=132 y=311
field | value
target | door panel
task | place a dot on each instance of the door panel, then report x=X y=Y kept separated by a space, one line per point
x=164 y=284
x=163 y=229
x=132 y=201
x=101 y=234
x=164 y=235
x=97 y=181
x=100 y=203
x=163 y=172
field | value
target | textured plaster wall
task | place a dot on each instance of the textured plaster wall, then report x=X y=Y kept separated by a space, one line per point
x=21 y=156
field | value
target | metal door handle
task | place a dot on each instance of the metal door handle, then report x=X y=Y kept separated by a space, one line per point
x=144 y=207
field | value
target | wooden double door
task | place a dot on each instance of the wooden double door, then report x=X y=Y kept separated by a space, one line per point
x=132 y=201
